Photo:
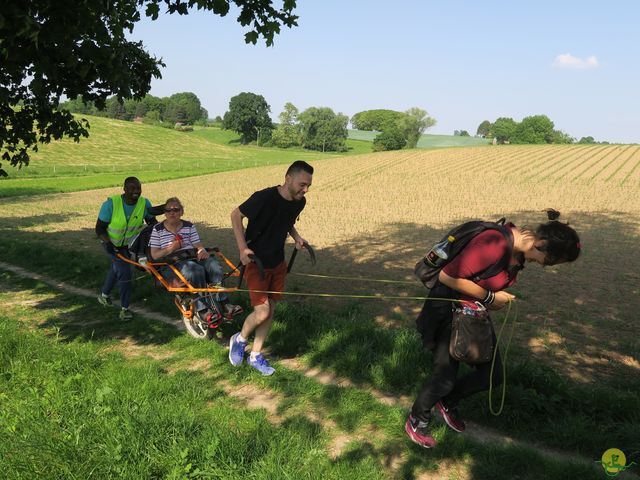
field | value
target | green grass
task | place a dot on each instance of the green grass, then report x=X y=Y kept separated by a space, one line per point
x=75 y=407
x=116 y=149
x=540 y=403
x=427 y=140
x=72 y=411
x=229 y=138
x=73 y=183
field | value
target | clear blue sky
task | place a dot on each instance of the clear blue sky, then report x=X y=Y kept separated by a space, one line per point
x=466 y=61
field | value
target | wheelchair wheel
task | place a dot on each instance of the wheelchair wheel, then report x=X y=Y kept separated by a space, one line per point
x=198 y=328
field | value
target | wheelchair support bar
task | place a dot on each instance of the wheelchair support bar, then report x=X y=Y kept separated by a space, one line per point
x=308 y=248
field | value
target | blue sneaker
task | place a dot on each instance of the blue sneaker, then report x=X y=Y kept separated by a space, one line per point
x=236 y=350
x=261 y=364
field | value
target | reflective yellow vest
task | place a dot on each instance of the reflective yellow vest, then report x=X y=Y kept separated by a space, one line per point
x=120 y=230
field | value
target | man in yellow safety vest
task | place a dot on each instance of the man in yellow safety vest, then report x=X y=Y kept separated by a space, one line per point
x=121 y=218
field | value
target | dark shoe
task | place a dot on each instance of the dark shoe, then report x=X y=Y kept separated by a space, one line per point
x=450 y=416
x=212 y=318
x=419 y=432
x=105 y=301
x=231 y=310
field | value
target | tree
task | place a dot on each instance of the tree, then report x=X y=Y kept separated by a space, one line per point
x=503 y=129
x=534 y=129
x=288 y=133
x=115 y=109
x=248 y=114
x=484 y=128
x=55 y=48
x=152 y=117
x=175 y=113
x=390 y=139
x=413 y=123
x=464 y=133
x=322 y=129
x=587 y=140
x=77 y=105
x=560 y=137
x=379 y=120
x=154 y=104
x=140 y=110
x=182 y=107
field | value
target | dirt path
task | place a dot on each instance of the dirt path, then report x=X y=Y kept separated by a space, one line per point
x=269 y=402
x=83 y=292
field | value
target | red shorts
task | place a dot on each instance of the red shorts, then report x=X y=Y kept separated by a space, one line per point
x=273 y=281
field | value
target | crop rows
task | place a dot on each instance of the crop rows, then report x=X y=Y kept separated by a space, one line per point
x=360 y=196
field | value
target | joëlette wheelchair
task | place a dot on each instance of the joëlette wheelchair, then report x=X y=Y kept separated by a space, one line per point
x=196 y=323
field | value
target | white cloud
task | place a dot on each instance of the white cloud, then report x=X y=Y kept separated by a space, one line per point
x=566 y=60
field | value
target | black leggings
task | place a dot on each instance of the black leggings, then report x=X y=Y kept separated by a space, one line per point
x=443 y=384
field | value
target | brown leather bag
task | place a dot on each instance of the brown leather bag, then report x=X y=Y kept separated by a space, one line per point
x=471 y=336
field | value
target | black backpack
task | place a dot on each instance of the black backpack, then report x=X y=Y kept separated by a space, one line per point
x=139 y=245
x=428 y=268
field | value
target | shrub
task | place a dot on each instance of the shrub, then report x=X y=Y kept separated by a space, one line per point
x=392 y=139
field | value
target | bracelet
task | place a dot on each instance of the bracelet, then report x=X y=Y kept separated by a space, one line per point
x=201 y=250
x=489 y=297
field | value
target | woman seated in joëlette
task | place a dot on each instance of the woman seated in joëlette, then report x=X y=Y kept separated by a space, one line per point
x=174 y=235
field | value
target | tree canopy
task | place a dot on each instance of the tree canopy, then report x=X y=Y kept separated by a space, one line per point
x=288 y=133
x=503 y=129
x=484 y=129
x=183 y=107
x=534 y=129
x=248 y=115
x=323 y=129
x=413 y=124
x=379 y=120
x=55 y=48
x=390 y=139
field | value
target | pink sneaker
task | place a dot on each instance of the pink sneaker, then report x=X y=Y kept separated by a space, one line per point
x=451 y=417
x=419 y=432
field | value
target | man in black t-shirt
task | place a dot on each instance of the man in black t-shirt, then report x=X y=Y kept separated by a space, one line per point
x=272 y=213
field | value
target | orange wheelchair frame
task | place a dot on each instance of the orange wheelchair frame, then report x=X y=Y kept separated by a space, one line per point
x=188 y=312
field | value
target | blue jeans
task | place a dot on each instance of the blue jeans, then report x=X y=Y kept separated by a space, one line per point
x=120 y=273
x=200 y=273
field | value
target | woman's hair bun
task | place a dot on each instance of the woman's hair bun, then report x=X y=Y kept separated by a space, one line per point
x=552 y=214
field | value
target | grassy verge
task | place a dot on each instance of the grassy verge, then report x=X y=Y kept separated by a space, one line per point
x=71 y=412
x=116 y=149
x=80 y=406
x=541 y=406
x=74 y=183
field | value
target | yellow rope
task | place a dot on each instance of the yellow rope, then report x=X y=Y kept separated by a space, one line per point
x=362 y=279
x=504 y=360
x=340 y=295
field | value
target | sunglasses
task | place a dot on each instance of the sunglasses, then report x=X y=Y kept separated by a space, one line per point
x=174 y=209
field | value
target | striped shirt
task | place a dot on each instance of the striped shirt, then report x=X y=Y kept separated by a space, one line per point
x=161 y=237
